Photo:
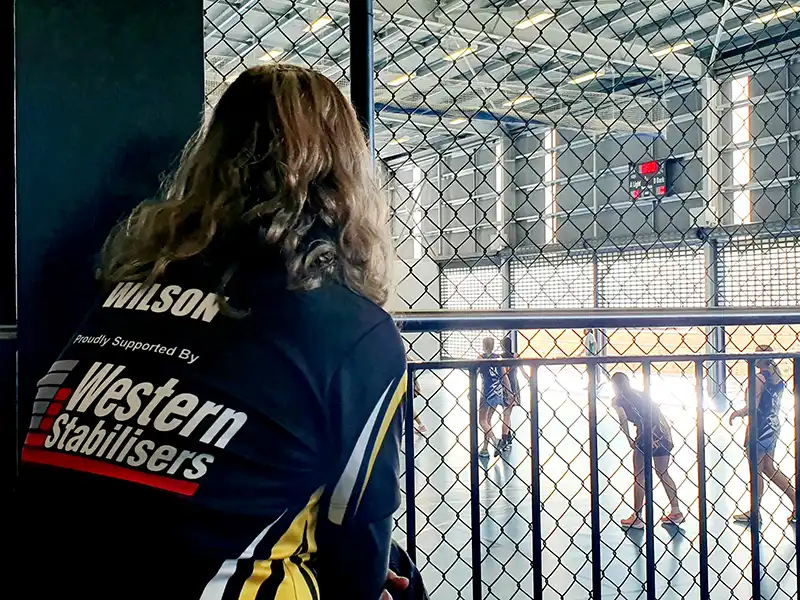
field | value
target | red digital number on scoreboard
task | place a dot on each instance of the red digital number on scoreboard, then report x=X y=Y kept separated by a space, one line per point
x=649 y=168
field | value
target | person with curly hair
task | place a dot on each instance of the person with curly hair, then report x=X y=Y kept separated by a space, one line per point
x=225 y=423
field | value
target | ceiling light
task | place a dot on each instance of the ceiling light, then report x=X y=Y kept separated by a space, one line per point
x=396 y=141
x=459 y=53
x=777 y=14
x=518 y=100
x=318 y=24
x=668 y=49
x=459 y=121
x=531 y=21
x=271 y=55
x=587 y=76
x=401 y=80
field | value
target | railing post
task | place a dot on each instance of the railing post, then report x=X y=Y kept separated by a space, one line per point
x=796 y=382
x=411 y=491
x=362 y=91
x=752 y=453
x=475 y=499
x=701 y=481
x=536 y=487
x=594 y=477
x=650 y=541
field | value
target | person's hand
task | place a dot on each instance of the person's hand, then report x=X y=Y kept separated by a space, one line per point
x=734 y=414
x=395 y=582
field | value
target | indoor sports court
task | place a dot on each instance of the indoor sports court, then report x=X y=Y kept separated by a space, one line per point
x=575 y=156
x=611 y=187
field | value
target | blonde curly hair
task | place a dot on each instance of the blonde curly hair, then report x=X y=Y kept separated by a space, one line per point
x=284 y=160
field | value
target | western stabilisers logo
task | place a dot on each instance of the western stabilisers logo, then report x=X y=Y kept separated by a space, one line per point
x=104 y=426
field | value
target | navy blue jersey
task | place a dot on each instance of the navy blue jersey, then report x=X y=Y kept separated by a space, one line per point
x=634 y=405
x=769 y=405
x=180 y=453
x=492 y=381
x=513 y=382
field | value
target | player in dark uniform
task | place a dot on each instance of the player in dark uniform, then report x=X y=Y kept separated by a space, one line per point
x=510 y=396
x=493 y=380
x=225 y=423
x=631 y=406
x=769 y=389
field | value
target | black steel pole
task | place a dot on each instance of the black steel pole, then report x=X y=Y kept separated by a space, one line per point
x=536 y=487
x=411 y=492
x=755 y=501
x=362 y=91
x=594 y=488
x=474 y=486
x=650 y=543
x=796 y=382
x=705 y=593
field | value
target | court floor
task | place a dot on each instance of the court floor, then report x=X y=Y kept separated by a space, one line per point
x=442 y=503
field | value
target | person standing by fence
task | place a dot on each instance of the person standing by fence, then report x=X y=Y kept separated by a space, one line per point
x=510 y=396
x=493 y=381
x=632 y=406
x=769 y=389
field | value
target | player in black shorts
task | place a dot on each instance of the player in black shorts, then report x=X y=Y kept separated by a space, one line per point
x=631 y=407
x=225 y=422
x=510 y=396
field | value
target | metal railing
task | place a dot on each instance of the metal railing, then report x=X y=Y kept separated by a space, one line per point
x=547 y=380
x=417 y=321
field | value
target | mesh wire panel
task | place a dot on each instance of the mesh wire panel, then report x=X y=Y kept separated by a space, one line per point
x=553 y=281
x=470 y=288
x=763 y=273
x=543 y=155
x=652 y=278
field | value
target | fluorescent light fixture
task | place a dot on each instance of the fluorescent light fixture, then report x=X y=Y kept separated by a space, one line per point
x=401 y=80
x=669 y=49
x=271 y=55
x=588 y=76
x=519 y=100
x=459 y=121
x=454 y=56
x=535 y=19
x=396 y=141
x=318 y=24
x=777 y=14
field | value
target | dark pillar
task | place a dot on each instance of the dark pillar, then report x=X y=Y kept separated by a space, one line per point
x=362 y=67
x=107 y=94
x=8 y=287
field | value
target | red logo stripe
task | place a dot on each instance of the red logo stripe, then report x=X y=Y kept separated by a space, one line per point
x=54 y=408
x=97 y=467
x=62 y=394
x=35 y=439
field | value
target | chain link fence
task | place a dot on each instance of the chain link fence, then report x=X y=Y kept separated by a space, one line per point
x=574 y=155
x=566 y=154
x=524 y=521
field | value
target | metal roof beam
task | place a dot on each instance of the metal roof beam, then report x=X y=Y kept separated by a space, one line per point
x=627 y=12
x=552 y=37
x=678 y=19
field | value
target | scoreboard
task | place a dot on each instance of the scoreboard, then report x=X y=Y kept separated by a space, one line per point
x=648 y=180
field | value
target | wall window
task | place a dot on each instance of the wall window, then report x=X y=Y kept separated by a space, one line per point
x=740 y=158
x=498 y=185
x=417 y=213
x=550 y=171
